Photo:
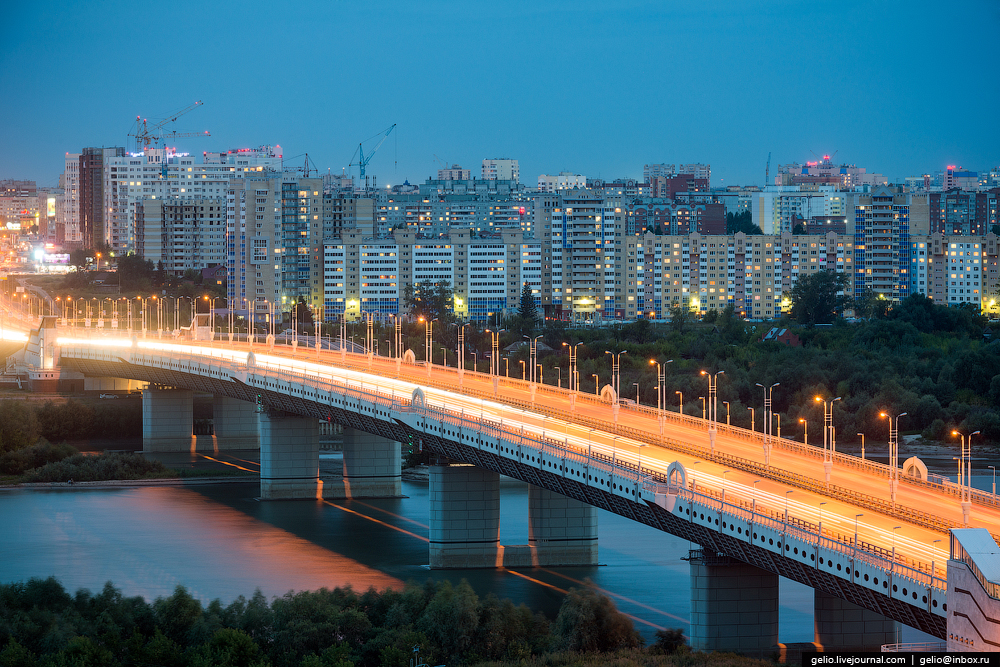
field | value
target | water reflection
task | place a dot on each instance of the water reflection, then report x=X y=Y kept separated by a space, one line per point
x=220 y=542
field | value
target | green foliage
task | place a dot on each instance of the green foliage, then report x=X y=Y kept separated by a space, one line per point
x=302 y=313
x=136 y=273
x=111 y=465
x=430 y=300
x=41 y=622
x=799 y=229
x=18 y=426
x=527 y=312
x=588 y=621
x=669 y=640
x=741 y=222
x=815 y=298
x=19 y=461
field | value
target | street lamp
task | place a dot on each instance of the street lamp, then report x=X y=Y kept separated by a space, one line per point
x=574 y=380
x=752 y=421
x=787 y=493
x=805 y=426
x=965 y=473
x=893 y=452
x=616 y=370
x=862 y=446
x=768 y=394
x=597 y=384
x=522 y=369
x=559 y=383
x=726 y=403
x=533 y=354
x=495 y=351
x=680 y=409
x=713 y=404
x=636 y=385
x=994 y=469
x=702 y=399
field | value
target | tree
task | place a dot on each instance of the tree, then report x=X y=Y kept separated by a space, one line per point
x=741 y=222
x=588 y=621
x=871 y=305
x=679 y=317
x=430 y=300
x=799 y=229
x=817 y=298
x=527 y=309
x=78 y=257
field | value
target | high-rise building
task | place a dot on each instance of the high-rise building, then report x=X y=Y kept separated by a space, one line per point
x=71 y=201
x=501 y=169
x=455 y=173
x=879 y=223
x=564 y=181
x=94 y=214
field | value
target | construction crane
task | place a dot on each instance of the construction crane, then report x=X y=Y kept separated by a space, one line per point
x=308 y=166
x=767 y=170
x=148 y=135
x=363 y=160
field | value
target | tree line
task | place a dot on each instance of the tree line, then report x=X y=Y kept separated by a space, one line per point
x=22 y=423
x=41 y=623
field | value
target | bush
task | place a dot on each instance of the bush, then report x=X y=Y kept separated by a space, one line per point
x=18 y=426
x=115 y=465
x=588 y=621
x=43 y=452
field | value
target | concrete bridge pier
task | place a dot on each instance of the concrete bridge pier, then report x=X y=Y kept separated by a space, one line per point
x=235 y=423
x=844 y=626
x=464 y=517
x=289 y=456
x=561 y=531
x=167 y=420
x=372 y=467
x=734 y=606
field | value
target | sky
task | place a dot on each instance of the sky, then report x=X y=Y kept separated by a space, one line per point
x=598 y=88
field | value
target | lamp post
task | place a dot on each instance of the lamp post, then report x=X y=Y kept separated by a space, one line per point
x=726 y=403
x=893 y=453
x=787 y=493
x=994 y=469
x=805 y=435
x=475 y=363
x=752 y=420
x=768 y=394
x=495 y=351
x=522 y=369
x=597 y=384
x=506 y=361
x=713 y=404
x=636 y=385
x=965 y=473
x=428 y=341
x=461 y=349
x=680 y=408
x=894 y=529
x=702 y=399
x=559 y=382
x=821 y=517
x=573 y=373
x=533 y=355
x=616 y=370
x=862 y=446
x=829 y=447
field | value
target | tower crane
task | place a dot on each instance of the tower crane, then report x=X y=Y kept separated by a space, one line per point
x=147 y=135
x=363 y=160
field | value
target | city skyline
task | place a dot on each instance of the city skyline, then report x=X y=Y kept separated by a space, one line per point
x=559 y=87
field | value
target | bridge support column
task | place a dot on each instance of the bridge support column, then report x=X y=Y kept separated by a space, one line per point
x=844 y=626
x=465 y=517
x=372 y=467
x=289 y=456
x=167 y=420
x=734 y=606
x=561 y=530
x=235 y=423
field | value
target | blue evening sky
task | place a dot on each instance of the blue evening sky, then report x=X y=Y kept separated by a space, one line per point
x=598 y=88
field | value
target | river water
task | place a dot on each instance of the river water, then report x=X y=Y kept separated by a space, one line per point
x=220 y=542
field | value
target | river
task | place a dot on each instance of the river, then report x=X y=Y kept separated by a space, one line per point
x=220 y=542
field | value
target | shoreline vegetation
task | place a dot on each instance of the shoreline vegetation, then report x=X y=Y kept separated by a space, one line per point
x=43 y=624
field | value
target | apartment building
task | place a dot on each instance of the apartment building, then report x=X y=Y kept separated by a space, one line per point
x=182 y=234
x=879 y=222
x=501 y=169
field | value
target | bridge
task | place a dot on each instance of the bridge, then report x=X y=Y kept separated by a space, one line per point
x=879 y=548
